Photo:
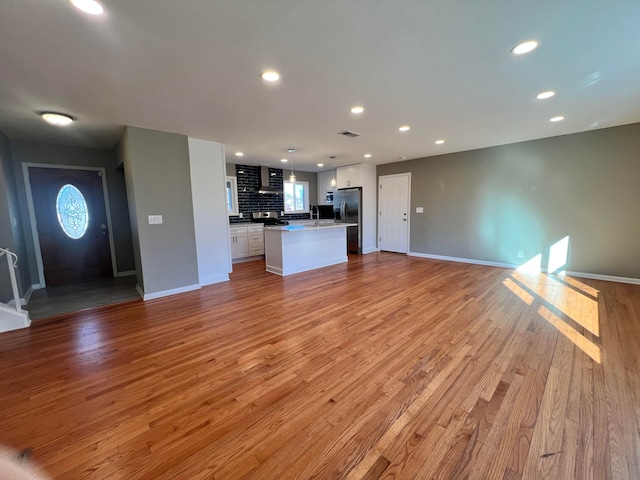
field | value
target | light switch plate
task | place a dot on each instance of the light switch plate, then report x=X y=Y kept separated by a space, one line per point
x=155 y=219
x=419 y=209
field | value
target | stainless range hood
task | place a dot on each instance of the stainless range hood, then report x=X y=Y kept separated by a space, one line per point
x=265 y=188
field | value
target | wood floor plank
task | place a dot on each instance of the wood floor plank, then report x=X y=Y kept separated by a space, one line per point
x=385 y=367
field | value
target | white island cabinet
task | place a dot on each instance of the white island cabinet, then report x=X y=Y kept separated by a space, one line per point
x=298 y=248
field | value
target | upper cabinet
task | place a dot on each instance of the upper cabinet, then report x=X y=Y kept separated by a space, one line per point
x=326 y=183
x=349 y=176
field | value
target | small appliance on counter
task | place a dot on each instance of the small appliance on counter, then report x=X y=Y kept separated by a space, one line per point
x=267 y=218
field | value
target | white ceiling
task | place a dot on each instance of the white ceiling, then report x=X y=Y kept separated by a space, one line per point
x=441 y=66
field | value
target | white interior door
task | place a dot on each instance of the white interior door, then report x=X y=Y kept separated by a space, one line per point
x=393 y=206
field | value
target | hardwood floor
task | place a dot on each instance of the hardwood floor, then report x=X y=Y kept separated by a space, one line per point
x=387 y=367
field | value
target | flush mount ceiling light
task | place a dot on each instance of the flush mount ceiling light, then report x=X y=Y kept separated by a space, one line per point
x=270 y=76
x=367 y=155
x=557 y=118
x=92 y=7
x=284 y=160
x=404 y=128
x=547 y=94
x=524 y=47
x=439 y=142
x=57 y=119
x=239 y=154
x=321 y=164
x=357 y=109
x=292 y=177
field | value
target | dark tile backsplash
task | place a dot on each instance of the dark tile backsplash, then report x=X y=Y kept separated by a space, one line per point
x=249 y=200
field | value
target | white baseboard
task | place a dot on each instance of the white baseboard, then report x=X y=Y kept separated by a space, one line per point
x=593 y=276
x=370 y=250
x=27 y=296
x=126 y=273
x=462 y=260
x=214 y=279
x=165 y=293
x=23 y=300
x=606 y=278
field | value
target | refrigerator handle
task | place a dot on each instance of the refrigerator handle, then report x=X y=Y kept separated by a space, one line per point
x=343 y=211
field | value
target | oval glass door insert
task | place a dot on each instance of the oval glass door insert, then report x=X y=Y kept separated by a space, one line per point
x=73 y=215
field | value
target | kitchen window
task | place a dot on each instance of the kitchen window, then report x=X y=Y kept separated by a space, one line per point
x=232 y=196
x=296 y=197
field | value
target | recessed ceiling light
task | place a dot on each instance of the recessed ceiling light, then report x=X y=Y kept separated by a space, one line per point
x=321 y=164
x=367 y=155
x=404 y=128
x=88 y=6
x=558 y=118
x=439 y=142
x=284 y=160
x=58 y=119
x=357 y=109
x=239 y=154
x=524 y=47
x=270 y=76
x=547 y=94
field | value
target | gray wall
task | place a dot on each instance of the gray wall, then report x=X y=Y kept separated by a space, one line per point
x=159 y=183
x=11 y=236
x=32 y=152
x=487 y=204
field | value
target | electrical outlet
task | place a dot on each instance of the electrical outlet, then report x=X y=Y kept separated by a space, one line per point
x=419 y=209
x=155 y=219
x=241 y=215
x=520 y=253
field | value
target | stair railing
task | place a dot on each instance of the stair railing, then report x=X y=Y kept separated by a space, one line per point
x=12 y=262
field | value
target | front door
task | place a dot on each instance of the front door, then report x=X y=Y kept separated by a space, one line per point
x=394 y=209
x=71 y=221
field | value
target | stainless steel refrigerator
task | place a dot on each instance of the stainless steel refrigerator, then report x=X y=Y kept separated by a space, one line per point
x=347 y=208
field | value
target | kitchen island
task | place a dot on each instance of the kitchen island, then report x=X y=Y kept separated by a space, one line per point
x=297 y=248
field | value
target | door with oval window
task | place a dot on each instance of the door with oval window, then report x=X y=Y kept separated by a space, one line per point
x=71 y=221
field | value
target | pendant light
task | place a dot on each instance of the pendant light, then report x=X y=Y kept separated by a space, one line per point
x=292 y=177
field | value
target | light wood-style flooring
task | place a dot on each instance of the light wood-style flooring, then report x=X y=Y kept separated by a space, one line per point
x=388 y=367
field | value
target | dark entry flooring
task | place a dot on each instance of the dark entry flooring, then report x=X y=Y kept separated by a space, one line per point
x=52 y=301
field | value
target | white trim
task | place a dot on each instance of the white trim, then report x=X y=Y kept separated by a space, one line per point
x=327 y=262
x=166 y=293
x=378 y=233
x=370 y=250
x=32 y=214
x=606 y=278
x=462 y=260
x=27 y=296
x=24 y=300
x=126 y=273
x=593 y=276
x=214 y=279
x=140 y=291
x=10 y=319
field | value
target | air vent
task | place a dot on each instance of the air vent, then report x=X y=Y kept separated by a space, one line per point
x=347 y=133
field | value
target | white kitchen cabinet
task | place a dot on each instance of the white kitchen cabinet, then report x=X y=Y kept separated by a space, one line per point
x=349 y=176
x=363 y=175
x=239 y=242
x=246 y=241
x=255 y=234
x=324 y=185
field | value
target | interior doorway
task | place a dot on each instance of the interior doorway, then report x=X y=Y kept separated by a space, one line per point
x=70 y=223
x=393 y=206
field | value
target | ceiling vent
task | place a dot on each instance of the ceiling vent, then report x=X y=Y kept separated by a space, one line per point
x=348 y=133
